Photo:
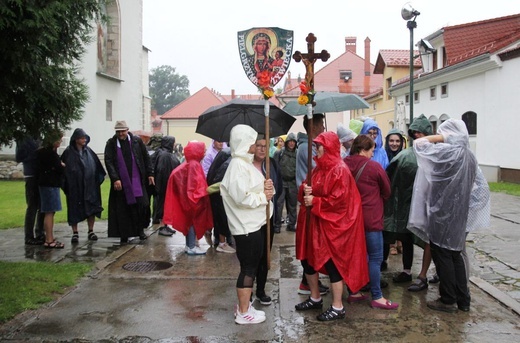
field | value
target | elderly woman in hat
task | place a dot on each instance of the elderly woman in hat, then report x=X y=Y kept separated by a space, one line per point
x=129 y=168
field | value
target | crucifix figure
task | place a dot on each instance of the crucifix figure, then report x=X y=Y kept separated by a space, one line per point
x=309 y=58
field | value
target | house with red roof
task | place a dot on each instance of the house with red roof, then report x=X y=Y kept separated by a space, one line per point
x=472 y=74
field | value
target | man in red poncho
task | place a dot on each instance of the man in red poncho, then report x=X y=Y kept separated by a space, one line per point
x=334 y=242
x=187 y=207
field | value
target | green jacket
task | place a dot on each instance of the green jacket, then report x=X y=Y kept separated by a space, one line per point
x=401 y=171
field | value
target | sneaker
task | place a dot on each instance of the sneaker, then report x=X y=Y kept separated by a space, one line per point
x=195 y=251
x=166 y=231
x=309 y=304
x=418 y=285
x=262 y=313
x=264 y=299
x=207 y=236
x=402 y=277
x=438 y=305
x=252 y=316
x=331 y=314
x=305 y=290
x=224 y=247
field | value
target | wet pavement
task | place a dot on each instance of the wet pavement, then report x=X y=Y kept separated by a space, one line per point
x=124 y=299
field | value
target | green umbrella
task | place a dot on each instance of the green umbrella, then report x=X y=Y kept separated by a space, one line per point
x=327 y=102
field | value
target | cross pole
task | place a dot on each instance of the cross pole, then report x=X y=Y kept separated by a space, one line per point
x=309 y=59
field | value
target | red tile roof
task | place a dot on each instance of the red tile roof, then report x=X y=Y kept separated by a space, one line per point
x=196 y=104
x=469 y=40
x=395 y=58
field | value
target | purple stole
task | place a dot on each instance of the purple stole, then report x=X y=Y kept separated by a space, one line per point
x=132 y=188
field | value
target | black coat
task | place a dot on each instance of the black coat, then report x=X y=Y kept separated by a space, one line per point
x=127 y=220
x=82 y=189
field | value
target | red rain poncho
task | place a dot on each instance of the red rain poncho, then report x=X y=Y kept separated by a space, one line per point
x=336 y=230
x=187 y=200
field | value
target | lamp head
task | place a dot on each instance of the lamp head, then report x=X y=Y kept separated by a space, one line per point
x=408 y=12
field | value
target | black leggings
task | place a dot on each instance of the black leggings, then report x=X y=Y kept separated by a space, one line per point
x=249 y=252
x=261 y=273
x=330 y=267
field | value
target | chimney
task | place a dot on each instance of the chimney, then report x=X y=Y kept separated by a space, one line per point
x=232 y=94
x=350 y=44
x=367 y=56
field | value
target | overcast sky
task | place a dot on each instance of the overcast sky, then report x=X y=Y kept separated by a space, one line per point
x=199 y=38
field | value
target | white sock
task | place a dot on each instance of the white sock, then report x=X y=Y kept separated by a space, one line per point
x=338 y=309
x=316 y=300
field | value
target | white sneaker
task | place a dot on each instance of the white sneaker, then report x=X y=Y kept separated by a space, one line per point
x=195 y=251
x=224 y=247
x=252 y=316
x=262 y=313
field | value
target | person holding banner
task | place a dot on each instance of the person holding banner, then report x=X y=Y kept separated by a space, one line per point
x=246 y=194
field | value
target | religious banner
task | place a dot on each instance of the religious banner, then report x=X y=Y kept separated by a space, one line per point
x=265 y=54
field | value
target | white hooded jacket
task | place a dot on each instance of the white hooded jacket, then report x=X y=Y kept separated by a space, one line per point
x=242 y=188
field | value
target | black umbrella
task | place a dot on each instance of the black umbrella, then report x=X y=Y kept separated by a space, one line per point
x=217 y=121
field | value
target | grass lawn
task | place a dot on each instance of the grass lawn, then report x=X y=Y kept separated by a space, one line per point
x=12 y=204
x=505 y=187
x=27 y=285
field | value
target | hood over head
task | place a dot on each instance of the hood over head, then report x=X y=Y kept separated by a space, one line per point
x=330 y=142
x=290 y=137
x=241 y=139
x=372 y=124
x=454 y=132
x=345 y=134
x=194 y=151
x=78 y=133
x=421 y=124
x=167 y=143
x=355 y=125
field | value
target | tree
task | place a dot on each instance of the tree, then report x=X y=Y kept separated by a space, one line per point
x=167 y=88
x=42 y=43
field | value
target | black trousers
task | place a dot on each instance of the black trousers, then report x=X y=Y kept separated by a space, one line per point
x=32 y=213
x=453 y=285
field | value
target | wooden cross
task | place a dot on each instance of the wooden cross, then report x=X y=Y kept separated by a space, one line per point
x=309 y=58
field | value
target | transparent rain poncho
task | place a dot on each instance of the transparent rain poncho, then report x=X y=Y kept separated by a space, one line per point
x=446 y=186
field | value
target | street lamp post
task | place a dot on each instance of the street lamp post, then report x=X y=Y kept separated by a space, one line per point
x=410 y=14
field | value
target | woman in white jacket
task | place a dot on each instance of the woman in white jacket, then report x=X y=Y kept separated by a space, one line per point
x=245 y=194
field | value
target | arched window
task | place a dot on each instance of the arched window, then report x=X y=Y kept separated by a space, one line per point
x=109 y=41
x=470 y=118
x=444 y=117
x=434 y=121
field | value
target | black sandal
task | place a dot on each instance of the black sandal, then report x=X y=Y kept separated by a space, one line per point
x=75 y=237
x=331 y=314
x=92 y=236
x=309 y=305
x=54 y=245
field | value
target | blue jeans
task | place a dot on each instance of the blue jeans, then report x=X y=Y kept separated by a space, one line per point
x=191 y=238
x=374 y=241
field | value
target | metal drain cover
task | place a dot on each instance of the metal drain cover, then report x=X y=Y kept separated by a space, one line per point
x=146 y=266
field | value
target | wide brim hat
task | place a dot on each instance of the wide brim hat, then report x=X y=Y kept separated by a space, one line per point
x=121 y=126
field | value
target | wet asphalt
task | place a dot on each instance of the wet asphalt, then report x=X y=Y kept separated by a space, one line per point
x=152 y=291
